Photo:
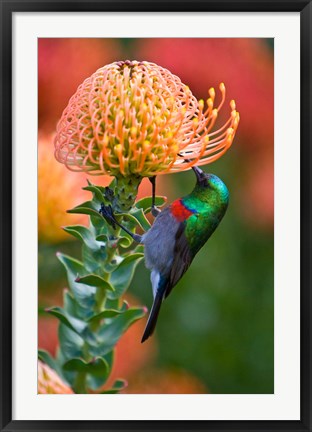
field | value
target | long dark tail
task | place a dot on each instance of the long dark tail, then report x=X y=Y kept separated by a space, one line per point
x=152 y=319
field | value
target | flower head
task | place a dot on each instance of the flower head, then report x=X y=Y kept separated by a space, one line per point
x=50 y=382
x=135 y=118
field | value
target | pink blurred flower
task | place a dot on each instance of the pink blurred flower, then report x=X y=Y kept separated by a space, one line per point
x=49 y=382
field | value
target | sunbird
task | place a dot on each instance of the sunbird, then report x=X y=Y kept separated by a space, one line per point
x=177 y=234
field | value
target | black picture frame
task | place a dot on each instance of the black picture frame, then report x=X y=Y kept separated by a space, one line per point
x=7 y=9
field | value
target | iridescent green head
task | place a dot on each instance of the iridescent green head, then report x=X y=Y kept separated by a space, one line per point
x=210 y=188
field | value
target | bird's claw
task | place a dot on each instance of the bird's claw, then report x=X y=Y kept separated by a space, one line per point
x=108 y=214
x=109 y=194
x=155 y=211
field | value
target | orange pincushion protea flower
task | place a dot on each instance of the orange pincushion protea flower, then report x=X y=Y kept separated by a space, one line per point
x=49 y=382
x=137 y=119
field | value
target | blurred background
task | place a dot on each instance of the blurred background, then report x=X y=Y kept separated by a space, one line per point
x=215 y=333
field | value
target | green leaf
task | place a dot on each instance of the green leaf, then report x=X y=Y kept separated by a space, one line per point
x=100 y=225
x=108 y=313
x=124 y=239
x=70 y=304
x=110 y=333
x=83 y=233
x=88 y=208
x=139 y=249
x=83 y=294
x=75 y=324
x=140 y=217
x=127 y=219
x=121 y=277
x=95 y=281
x=118 y=386
x=71 y=264
x=101 y=188
x=102 y=238
x=98 y=192
x=97 y=370
x=93 y=259
x=101 y=285
x=109 y=357
x=112 y=303
x=125 y=306
x=146 y=203
x=71 y=344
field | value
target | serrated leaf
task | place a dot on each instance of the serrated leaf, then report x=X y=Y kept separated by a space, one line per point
x=110 y=333
x=121 y=277
x=75 y=324
x=118 y=386
x=146 y=203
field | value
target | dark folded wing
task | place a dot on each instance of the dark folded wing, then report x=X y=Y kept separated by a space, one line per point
x=182 y=259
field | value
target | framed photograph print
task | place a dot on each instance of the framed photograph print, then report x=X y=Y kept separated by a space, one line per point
x=155 y=248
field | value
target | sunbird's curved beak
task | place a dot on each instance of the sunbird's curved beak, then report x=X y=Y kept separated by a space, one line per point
x=200 y=176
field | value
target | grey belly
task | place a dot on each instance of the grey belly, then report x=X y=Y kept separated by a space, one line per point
x=159 y=243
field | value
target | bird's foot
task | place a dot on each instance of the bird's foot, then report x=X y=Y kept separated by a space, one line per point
x=155 y=211
x=108 y=214
x=109 y=194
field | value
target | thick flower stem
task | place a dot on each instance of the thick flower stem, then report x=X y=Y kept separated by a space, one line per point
x=80 y=383
x=125 y=192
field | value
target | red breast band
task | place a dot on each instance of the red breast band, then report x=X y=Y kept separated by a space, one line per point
x=179 y=211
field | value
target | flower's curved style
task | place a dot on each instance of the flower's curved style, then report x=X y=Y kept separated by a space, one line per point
x=135 y=118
